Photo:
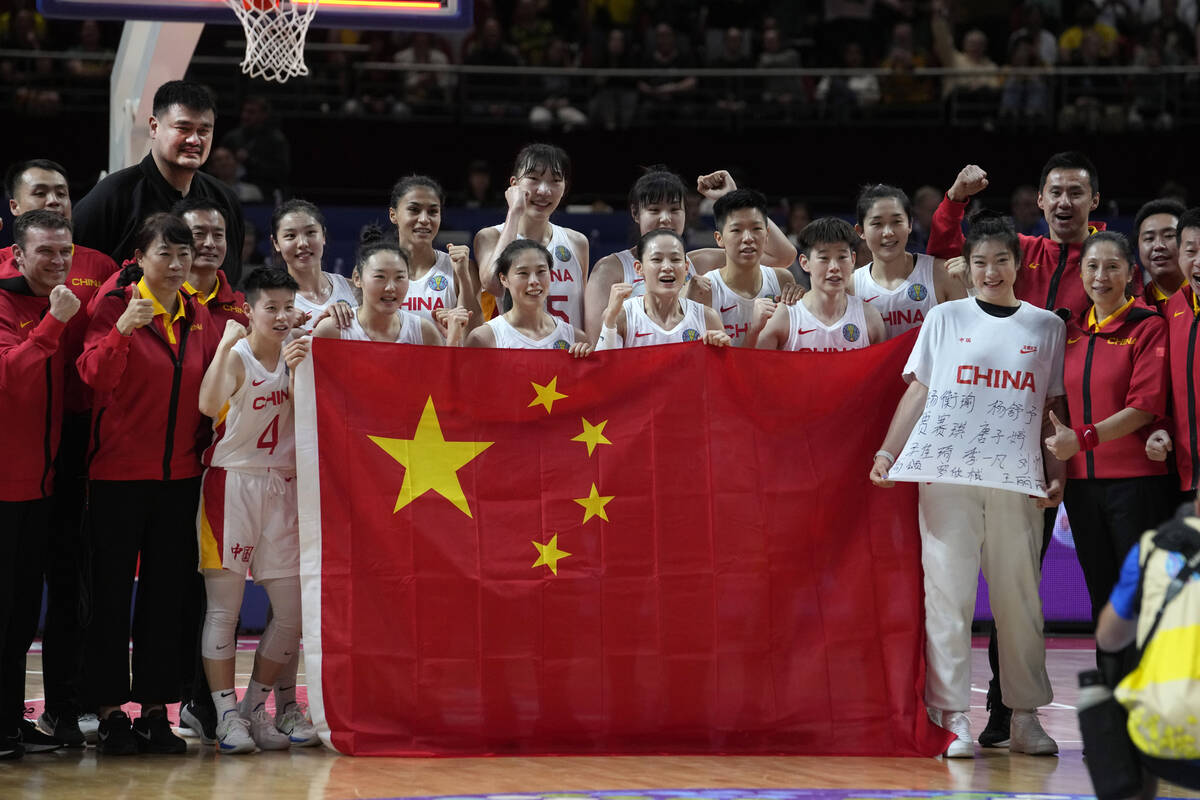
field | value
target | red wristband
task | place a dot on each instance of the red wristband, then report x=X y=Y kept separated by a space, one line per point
x=1087 y=436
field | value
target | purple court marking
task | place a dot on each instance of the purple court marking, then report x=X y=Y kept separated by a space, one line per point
x=755 y=794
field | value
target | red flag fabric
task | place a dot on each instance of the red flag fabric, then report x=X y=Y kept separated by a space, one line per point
x=659 y=550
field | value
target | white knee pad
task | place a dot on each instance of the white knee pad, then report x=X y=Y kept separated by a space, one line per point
x=281 y=639
x=224 y=590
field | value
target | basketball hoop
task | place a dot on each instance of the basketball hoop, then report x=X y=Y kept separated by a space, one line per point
x=275 y=31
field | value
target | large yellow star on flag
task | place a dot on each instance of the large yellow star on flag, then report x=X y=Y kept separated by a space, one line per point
x=546 y=395
x=549 y=554
x=592 y=435
x=430 y=462
x=593 y=505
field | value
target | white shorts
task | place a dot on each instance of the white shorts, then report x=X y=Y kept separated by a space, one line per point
x=248 y=521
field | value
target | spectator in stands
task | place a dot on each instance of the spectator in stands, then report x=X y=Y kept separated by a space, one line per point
x=668 y=97
x=424 y=92
x=99 y=66
x=375 y=91
x=843 y=96
x=559 y=91
x=798 y=217
x=1173 y=35
x=530 y=33
x=1024 y=98
x=924 y=202
x=1073 y=38
x=223 y=166
x=1186 y=12
x=730 y=92
x=971 y=96
x=33 y=78
x=1150 y=93
x=614 y=100
x=260 y=148
x=1027 y=217
x=478 y=191
x=490 y=94
x=251 y=256
x=780 y=93
x=1091 y=102
x=1045 y=43
x=903 y=56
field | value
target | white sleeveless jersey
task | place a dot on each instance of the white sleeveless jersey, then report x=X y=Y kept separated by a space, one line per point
x=509 y=338
x=906 y=306
x=567 y=278
x=255 y=429
x=433 y=290
x=735 y=310
x=809 y=335
x=342 y=292
x=410 y=330
x=640 y=330
x=637 y=281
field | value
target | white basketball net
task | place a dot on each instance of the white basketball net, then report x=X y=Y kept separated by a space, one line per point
x=275 y=31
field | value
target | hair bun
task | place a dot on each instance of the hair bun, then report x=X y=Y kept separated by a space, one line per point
x=370 y=233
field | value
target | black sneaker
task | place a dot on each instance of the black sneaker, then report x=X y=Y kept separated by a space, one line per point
x=154 y=735
x=33 y=740
x=115 y=736
x=201 y=720
x=10 y=748
x=63 y=727
x=996 y=733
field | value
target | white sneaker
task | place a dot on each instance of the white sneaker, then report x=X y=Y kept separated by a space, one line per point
x=233 y=735
x=1028 y=736
x=299 y=728
x=956 y=722
x=264 y=733
x=89 y=725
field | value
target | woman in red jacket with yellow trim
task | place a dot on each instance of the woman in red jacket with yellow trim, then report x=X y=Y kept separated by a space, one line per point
x=1116 y=379
x=144 y=356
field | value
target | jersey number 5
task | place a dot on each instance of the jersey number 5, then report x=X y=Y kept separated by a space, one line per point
x=558 y=312
x=270 y=436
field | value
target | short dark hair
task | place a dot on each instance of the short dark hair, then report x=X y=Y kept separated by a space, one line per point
x=1162 y=205
x=1071 y=159
x=260 y=279
x=987 y=225
x=292 y=207
x=13 y=176
x=513 y=250
x=1112 y=237
x=371 y=241
x=537 y=156
x=736 y=200
x=644 y=242
x=187 y=204
x=1188 y=219
x=168 y=226
x=39 y=218
x=827 y=230
x=881 y=191
x=191 y=95
x=406 y=184
x=657 y=185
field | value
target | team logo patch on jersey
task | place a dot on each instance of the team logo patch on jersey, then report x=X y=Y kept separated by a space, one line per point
x=850 y=332
x=691 y=335
x=562 y=344
x=439 y=283
x=562 y=253
x=917 y=292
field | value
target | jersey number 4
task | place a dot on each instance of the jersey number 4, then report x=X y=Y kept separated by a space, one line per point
x=270 y=436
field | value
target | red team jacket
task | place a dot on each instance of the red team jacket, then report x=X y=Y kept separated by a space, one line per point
x=146 y=418
x=1183 y=322
x=225 y=306
x=1122 y=366
x=89 y=269
x=1048 y=276
x=31 y=391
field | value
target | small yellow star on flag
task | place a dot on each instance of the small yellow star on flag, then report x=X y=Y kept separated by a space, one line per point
x=546 y=395
x=592 y=435
x=593 y=505
x=430 y=462
x=549 y=554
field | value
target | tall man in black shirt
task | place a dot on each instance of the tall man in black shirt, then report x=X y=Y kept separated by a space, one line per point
x=181 y=135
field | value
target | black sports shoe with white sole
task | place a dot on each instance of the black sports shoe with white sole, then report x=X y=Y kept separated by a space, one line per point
x=63 y=727
x=115 y=735
x=153 y=734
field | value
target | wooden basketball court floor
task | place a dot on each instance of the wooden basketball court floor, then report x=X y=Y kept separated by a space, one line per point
x=317 y=773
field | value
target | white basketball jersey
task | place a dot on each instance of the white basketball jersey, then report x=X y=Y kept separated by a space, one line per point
x=567 y=278
x=342 y=292
x=255 y=429
x=410 y=330
x=906 y=306
x=640 y=330
x=809 y=335
x=433 y=290
x=509 y=338
x=735 y=310
x=637 y=281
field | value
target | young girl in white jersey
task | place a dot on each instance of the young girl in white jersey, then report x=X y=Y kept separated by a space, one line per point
x=298 y=235
x=381 y=273
x=539 y=180
x=827 y=319
x=661 y=315
x=436 y=281
x=247 y=518
x=656 y=201
x=903 y=286
x=524 y=270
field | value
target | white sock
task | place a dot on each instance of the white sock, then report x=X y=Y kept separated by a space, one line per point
x=225 y=701
x=285 y=688
x=256 y=694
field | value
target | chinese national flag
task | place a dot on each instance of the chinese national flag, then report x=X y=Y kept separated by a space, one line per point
x=661 y=550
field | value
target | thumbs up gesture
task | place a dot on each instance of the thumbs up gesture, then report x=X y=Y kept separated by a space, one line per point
x=1064 y=443
x=137 y=314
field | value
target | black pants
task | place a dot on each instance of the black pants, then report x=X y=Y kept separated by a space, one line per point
x=62 y=639
x=195 y=682
x=24 y=529
x=155 y=520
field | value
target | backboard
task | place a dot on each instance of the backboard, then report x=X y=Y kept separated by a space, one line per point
x=388 y=14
